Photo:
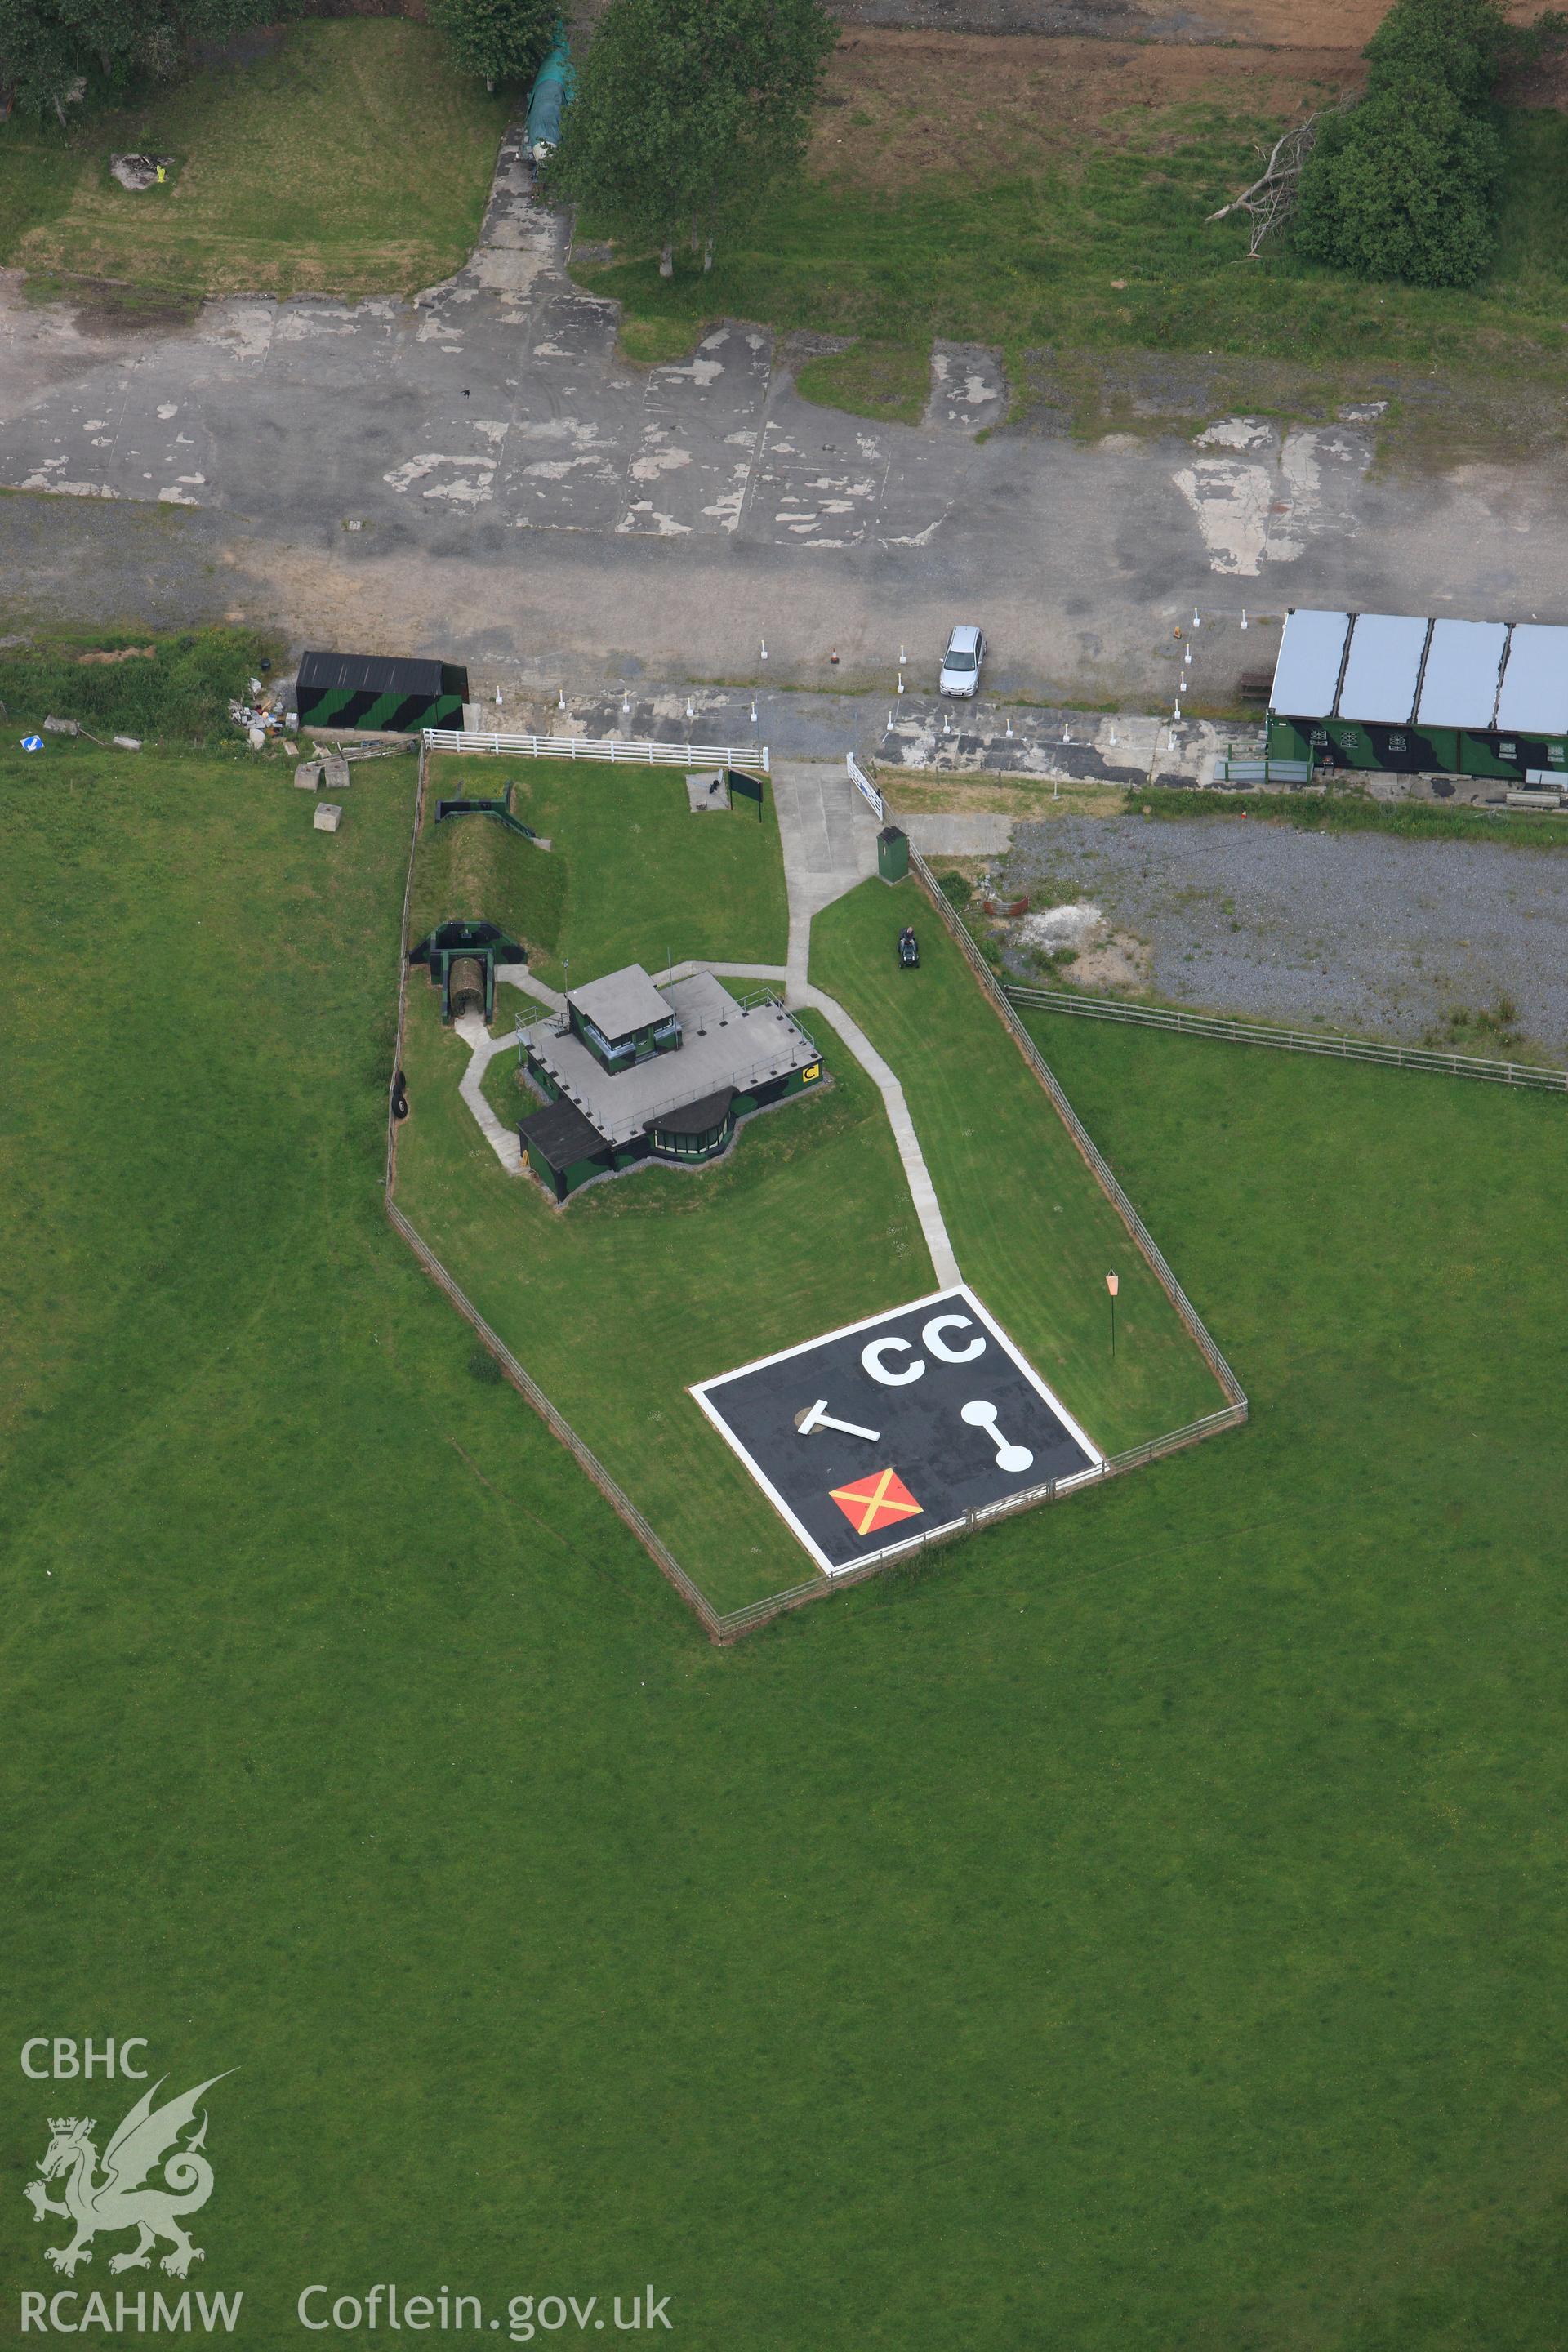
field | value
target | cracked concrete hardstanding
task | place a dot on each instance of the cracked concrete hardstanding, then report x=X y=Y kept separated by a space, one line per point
x=527 y=501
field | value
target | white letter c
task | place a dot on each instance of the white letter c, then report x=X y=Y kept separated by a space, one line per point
x=871 y=1357
x=932 y=1336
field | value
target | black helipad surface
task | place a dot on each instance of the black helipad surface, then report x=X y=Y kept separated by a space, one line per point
x=944 y=1416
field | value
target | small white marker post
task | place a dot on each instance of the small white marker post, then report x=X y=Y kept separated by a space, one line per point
x=1113 y=1284
x=764 y=653
x=1009 y=730
x=560 y=698
x=1244 y=622
x=1197 y=618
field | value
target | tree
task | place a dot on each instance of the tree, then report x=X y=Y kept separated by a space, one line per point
x=52 y=51
x=689 y=111
x=1402 y=191
x=1405 y=184
x=505 y=40
x=1456 y=42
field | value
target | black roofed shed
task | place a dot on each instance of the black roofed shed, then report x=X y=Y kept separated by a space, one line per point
x=380 y=692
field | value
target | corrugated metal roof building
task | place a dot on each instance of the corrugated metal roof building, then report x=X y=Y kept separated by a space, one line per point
x=1384 y=690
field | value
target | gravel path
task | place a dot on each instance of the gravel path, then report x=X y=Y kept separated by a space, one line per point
x=1381 y=937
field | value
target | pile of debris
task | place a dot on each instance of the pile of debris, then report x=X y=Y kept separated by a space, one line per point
x=266 y=713
x=1077 y=925
x=136 y=172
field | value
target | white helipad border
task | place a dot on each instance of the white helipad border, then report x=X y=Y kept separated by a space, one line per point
x=702 y=1391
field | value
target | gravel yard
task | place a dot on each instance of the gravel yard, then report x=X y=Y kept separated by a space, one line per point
x=1380 y=937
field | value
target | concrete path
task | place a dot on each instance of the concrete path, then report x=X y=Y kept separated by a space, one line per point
x=502 y=1139
x=521 y=977
x=921 y=1189
x=980 y=836
x=726 y=971
x=830 y=839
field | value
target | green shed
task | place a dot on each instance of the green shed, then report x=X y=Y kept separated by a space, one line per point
x=892 y=854
x=375 y=691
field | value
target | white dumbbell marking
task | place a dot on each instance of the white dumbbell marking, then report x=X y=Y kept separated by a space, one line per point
x=980 y=1414
x=816 y=1416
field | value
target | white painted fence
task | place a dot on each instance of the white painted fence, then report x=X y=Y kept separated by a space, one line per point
x=751 y=758
x=863 y=784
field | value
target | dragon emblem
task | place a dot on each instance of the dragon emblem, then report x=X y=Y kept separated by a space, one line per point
x=123 y=2196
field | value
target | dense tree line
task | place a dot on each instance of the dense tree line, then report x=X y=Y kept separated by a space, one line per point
x=504 y=40
x=53 y=53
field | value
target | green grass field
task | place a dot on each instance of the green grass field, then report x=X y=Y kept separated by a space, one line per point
x=1141 y=1928
x=634 y=877
x=1032 y=1231
x=351 y=159
x=1089 y=241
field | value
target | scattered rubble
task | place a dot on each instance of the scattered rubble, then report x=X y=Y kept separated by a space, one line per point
x=1077 y=925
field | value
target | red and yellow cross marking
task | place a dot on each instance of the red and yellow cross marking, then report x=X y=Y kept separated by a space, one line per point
x=876 y=1502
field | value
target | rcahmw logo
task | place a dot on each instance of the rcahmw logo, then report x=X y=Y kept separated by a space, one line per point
x=154 y=2175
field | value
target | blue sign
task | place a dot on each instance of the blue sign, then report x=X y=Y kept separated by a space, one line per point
x=32 y=742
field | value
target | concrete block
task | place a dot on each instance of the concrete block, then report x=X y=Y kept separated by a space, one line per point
x=335 y=775
x=127 y=742
x=308 y=775
x=328 y=816
x=61 y=726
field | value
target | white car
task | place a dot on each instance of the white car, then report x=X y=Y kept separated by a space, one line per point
x=961 y=663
